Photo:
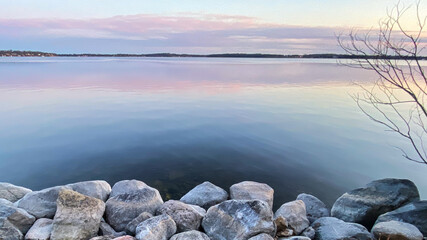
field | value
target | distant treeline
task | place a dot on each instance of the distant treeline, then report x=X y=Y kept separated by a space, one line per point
x=11 y=53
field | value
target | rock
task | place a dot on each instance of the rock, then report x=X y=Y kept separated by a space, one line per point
x=40 y=230
x=18 y=217
x=190 y=235
x=11 y=192
x=330 y=228
x=364 y=205
x=8 y=231
x=41 y=204
x=131 y=227
x=314 y=207
x=97 y=189
x=128 y=199
x=413 y=213
x=238 y=219
x=309 y=232
x=102 y=238
x=184 y=215
x=262 y=236
x=4 y=202
x=107 y=230
x=205 y=195
x=156 y=228
x=127 y=237
x=295 y=214
x=298 y=238
x=282 y=227
x=394 y=230
x=252 y=191
x=78 y=216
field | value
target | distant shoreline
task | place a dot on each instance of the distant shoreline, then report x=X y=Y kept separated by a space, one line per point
x=222 y=55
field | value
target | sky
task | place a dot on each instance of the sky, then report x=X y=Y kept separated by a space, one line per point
x=186 y=26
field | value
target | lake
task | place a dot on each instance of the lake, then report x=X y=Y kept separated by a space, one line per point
x=176 y=122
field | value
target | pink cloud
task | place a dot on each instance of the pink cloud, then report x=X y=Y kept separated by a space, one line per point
x=133 y=25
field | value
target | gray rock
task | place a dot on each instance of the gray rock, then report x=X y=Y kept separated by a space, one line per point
x=128 y=199
x=205 y=195
x=394 y=230
x=364 y=205
x=8 y=231
x=97 y=189
x=309 y=232
x=102 y=238
x=297 y=238
x=238 y=219
x=314 y=207
x=262 y=236
x=295 y=214
x=414 y=213
x=18 y=217
x=106 y=230
x=4 y=202
x=330 y=228
x=249 y=190
x=40 y=230
x=185 y=216
x=11 y=192
x=127 y=237
x=190 y=235
x=198 y=209
x=131 y=227
x=41 y=204
x=156 y=228
x=78 y=216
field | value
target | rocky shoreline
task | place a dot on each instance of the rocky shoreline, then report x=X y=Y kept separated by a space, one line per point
x=384 y=209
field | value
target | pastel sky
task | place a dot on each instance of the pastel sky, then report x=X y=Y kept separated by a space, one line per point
x=184 y=26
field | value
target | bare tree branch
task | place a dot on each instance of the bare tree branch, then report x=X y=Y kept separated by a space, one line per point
x=396 y=100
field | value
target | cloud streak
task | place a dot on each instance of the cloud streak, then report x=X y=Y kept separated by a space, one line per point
x=192 y=33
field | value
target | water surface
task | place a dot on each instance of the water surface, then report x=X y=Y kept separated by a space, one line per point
x=174 y=123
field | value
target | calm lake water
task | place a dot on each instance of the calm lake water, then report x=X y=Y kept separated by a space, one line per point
x=174 y=123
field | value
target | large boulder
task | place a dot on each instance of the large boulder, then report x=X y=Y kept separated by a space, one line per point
x=190 y=235
x=40 y=230
x=11 y=192
x=364 y=205
x=330 y=228
x=128 y=199
x=97 y=189
x=249 y=190
x=262 y=236
x=205 y=195
x=187 y=217
x=156 y=228
x=131 y=226
x=41 y=204
x=8 y=231
x=238 y=219
x=314 y=207
x=20 y=218
x=78 y=216
x=414 y=213
x=394 y=230
x=295 y=214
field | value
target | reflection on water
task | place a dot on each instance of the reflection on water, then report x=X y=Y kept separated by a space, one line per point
x=175 y=123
